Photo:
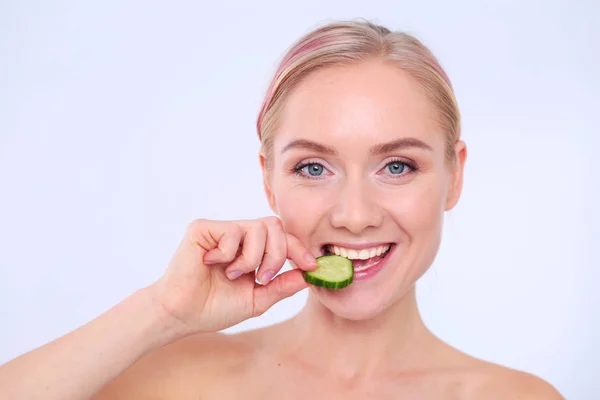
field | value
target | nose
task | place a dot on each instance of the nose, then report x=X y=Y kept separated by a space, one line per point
x=356 y=208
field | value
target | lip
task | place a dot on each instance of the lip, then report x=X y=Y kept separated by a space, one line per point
x=373 y=270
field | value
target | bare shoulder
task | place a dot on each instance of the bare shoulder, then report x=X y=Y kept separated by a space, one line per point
x=481 y=379
x=181 y=369
x=499 y=382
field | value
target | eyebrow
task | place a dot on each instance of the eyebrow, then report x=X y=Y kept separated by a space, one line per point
x=377 y=149
x=308 y=145
x=403 y=143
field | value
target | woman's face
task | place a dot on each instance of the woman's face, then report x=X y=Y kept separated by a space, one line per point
x=359 y=169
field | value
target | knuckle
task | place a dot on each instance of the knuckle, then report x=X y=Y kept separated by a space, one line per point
x=241 y=262
x=263 y=225
x=277 y=256
x=250 y=260
x=259 y=228
x=282 y=288
x=234 y=229
x=196 y=226
x=273 y=222
x=270 y=261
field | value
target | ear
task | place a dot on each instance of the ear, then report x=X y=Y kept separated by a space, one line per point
x=455 y=188
x=267 y=183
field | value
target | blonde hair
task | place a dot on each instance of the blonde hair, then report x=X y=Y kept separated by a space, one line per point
x=351 y=42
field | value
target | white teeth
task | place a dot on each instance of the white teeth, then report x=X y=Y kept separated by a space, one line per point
x=363 y=254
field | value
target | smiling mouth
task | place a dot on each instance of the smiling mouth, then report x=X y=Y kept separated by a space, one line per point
x=361 y=259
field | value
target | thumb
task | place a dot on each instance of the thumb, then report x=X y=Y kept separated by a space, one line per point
x=283 y=286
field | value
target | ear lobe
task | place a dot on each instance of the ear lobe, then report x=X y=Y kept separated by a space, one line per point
x=267 y=183
x=455 y=189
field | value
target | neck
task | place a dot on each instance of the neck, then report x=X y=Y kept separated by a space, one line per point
x=393 y=340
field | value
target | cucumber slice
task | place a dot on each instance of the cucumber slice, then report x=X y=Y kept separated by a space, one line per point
x=333 y=272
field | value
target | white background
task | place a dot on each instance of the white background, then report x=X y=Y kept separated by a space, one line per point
x=122 y=121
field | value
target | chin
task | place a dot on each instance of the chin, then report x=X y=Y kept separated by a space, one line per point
x=366 y=299
x=354 y=303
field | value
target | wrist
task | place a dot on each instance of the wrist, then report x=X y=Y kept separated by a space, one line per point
x=159 y=326
x=168 y=326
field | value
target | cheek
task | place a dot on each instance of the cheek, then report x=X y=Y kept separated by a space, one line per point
x=300 y=208
x=419 y=208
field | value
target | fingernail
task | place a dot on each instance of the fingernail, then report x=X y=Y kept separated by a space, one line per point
x=310 y=258
x=234 y=274
x=267 y=276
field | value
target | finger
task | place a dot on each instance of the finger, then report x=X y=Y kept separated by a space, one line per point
x=253 y=248
x=283 y=286
x=300 y=255
x=228 y=237
x=275 y=252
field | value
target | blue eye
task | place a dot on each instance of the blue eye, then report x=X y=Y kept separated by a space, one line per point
x=396 y=167
x=312 y=169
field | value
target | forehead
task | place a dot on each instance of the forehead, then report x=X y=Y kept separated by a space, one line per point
x=370 y=102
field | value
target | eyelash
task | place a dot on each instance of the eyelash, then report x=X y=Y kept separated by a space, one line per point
x=298 y=169
x=412 y=168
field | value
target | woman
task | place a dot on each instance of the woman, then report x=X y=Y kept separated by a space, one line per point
x=361 y=156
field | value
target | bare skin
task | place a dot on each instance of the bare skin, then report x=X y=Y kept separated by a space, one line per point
x=358 y=159
x=288 y=361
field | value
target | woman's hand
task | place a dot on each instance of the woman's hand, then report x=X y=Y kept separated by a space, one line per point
x=210 y=283
x=194 y=295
